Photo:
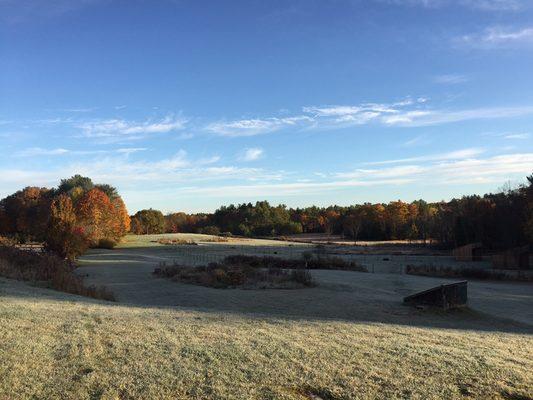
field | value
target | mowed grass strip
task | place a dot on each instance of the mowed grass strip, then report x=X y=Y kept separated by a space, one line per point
x=58 y=346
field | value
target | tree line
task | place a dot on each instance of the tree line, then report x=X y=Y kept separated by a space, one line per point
x=80 y=214
x=68 y=219
x=498 y=220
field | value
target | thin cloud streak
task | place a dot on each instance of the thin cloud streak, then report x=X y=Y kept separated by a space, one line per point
x=453 y=155
x=484 y=5
x=450 y=79
x=253 y=154
x=121 y=128
x=407 y=113
x=497 y=37
x=252 y=127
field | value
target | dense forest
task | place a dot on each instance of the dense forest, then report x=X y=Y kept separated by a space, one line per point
x=67 y=219
x=499 y=220
x=80 y=214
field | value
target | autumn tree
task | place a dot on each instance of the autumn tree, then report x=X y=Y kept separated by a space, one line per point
x=148 y=222
x=96 y=215
x=64 y=237
x=76 y=181
x=25 y=213
x=353 y=222
x=120 y=219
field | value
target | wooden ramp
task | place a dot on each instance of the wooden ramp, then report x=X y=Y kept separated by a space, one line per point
x=452 y=295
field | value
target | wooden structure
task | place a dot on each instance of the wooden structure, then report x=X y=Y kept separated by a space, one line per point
x=452 y=295
x=469 y=252
x=517 y=258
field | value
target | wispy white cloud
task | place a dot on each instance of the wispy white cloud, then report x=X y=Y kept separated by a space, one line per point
x=405 y=113
x=119 y=169
x=513 y=136
x=80 y=110
x=449 y=169
x=409 y=112
x=453 y=172
x=485 y=5
x=450 y=79
x=19 y=11
x=38 y=151
x=508 y=135
x=452 y=155
x=419 y=140
x=252 y=154
x=284 y=189
x=496 y=37
x=496 y=5
x=394 y=172
x=130 y=150
x=186 y=176
x=437 y=117
x=252 y=127
x=123 y=128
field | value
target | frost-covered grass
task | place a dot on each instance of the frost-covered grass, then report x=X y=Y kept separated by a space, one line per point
x=59 y=346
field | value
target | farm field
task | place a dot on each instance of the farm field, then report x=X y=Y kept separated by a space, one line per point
x=349 y=337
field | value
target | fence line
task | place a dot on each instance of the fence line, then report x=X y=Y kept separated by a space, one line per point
x=376 y=263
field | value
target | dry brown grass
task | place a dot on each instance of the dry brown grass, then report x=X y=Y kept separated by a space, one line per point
x=177 y=242
x=232 y=276
x=48 y=270
x=57 y=346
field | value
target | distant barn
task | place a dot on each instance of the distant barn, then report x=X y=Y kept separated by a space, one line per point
x=517 y=258
x=469 y=252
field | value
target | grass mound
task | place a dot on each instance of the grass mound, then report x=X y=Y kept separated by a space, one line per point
x=49 y=269
x=234 y=275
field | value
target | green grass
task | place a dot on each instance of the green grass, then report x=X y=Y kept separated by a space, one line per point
x=58 y=346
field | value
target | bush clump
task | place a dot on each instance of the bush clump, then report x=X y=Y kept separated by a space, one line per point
x=223 y=276
x=47 y=268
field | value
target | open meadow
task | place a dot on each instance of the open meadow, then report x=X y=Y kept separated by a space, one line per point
x=348 y=337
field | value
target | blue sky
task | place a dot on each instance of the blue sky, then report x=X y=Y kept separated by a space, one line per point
x=187 y=105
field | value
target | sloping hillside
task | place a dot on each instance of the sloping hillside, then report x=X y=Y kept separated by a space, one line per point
x=54 y=345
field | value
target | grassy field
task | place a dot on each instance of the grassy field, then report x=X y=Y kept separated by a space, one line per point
x=348 y=338
x=65 y=347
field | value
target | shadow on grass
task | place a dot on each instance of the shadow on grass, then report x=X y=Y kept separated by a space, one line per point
x=255 y=304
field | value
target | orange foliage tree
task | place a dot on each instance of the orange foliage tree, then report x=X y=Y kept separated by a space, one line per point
x=96 y=214
x=64 y=237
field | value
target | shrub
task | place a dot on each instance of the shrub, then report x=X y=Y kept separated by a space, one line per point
x=211 y=230
x=221 y=275
x=67 y=243
x=302 y=276
x=56 y=272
